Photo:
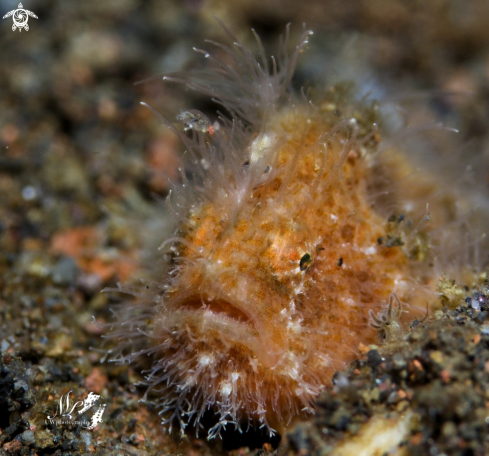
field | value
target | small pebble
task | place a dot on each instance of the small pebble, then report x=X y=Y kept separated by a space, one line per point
x=28 y=438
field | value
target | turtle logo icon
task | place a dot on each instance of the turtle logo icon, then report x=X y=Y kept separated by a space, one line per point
x=20 y=17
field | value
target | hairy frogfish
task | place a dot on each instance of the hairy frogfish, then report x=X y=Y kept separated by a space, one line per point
x=293 y=229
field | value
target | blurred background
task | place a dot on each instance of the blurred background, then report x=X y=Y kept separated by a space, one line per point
x=83 y=164
x=74 y=139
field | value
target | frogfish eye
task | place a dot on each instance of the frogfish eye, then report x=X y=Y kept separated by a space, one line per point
x=306 y=262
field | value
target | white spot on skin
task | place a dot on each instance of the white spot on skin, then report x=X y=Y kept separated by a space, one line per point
x=370 y=250
x=348 y=301
x=325 y=360
x=299 y=289
x=206 y=359
x=400 y=283
x=295 y=326
x=243 y=289
x=294 y=372
x=189 y=382
x=226 y=389
x=254 y=364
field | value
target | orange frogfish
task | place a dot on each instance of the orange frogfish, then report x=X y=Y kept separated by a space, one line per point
x=292 y=230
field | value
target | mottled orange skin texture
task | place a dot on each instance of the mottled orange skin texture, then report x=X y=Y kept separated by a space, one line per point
x=242 y=325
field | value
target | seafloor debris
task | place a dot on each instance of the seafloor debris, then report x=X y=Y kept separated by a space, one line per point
x=431 y=387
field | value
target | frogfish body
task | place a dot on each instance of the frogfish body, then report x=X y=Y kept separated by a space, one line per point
x=279 y=251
